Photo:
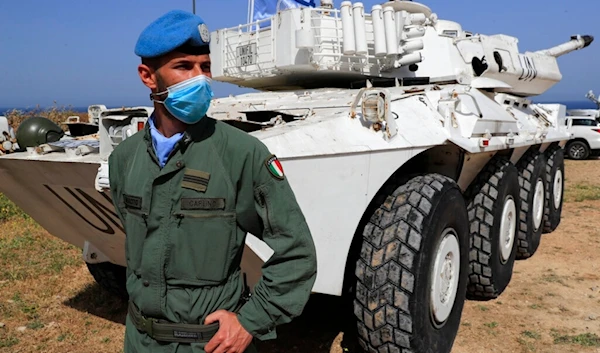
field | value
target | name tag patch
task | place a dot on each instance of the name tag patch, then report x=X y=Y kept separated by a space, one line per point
x=195 y=180
x=132 y=201
x=202 y=204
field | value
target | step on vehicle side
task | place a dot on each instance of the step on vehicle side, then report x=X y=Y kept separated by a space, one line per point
x=423 y=168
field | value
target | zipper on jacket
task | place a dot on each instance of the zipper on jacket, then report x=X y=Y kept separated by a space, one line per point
x=181 y=215
x=139 y=214
x=263 y=201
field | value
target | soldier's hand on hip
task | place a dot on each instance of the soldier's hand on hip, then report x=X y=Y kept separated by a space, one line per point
x=231 y=337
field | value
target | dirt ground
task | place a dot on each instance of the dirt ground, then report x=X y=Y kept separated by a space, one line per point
x=50 y=303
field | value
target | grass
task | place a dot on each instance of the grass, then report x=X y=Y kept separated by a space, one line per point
x=531 y=334
x=7 y=342
x=492 y=324
x=63 y=336
x=528 y=346
x=46 y=288
x=9 y=210
x=554 y=278
x=582 y=192
x=27 y=252
x=29 y=309
x=35 y=325
x=584 y=339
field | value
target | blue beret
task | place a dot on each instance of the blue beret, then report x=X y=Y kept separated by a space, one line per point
x=175 y=29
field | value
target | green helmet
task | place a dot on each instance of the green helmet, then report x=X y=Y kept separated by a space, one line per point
x=36 y=131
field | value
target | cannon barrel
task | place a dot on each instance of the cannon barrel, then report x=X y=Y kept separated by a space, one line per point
x=576 y=42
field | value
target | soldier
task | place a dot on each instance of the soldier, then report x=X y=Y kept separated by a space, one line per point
x=188 y=188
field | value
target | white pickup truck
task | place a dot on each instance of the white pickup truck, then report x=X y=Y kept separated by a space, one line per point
x=585 y=141
x=584 y=124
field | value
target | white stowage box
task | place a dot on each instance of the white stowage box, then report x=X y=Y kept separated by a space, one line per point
x=271 y=53
x=254 y=51
x=287 y=54
x=237 y=53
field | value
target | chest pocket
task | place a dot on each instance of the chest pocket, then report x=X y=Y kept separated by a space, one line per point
x=203 y=246
x=135 y=230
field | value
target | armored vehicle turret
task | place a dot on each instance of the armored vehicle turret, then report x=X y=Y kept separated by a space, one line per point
x=422 y=166
x=306 y=48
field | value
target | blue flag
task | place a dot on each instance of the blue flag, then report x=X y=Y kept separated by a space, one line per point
x=267 y=8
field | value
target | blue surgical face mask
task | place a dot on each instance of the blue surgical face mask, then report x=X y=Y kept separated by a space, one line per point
x=188 y=100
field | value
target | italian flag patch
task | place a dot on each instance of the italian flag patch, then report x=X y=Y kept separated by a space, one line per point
x=274 y=167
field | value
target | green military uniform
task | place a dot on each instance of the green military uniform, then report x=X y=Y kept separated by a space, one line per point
x=186 y=225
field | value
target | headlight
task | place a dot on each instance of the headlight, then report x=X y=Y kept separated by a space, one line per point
x=374 y=106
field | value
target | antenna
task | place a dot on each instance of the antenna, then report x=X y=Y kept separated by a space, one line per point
x=250 y=10
x=194 y=6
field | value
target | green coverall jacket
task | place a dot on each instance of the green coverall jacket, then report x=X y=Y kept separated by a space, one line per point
x=186 y=225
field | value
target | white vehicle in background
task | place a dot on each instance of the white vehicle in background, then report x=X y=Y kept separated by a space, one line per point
x=422 y=166
x=591 y=113
x=585 y=126
x=585 y=141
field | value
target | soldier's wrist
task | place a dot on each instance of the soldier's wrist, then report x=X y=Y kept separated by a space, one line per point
x=263 y=332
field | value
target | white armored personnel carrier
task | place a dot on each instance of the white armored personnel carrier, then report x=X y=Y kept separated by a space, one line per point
x=421 y=164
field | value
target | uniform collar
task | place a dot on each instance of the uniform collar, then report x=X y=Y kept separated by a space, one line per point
x=194 y=133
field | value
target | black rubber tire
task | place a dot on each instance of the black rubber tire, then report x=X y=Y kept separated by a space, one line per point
x=110 y=277
x=584 y=150
x=555 y=165
x=532 y=168
x=489 y=273
x=395 y=270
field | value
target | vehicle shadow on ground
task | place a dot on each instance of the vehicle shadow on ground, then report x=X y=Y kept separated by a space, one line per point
x=325 y=322
x=95 y=300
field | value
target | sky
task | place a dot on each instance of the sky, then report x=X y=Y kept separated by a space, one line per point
x=78 y=53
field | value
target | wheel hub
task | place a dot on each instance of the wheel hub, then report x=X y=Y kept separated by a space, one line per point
x=507 y=228
x=577 y=151
x=538 y=204
x=557 y=190
x=446 y=272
